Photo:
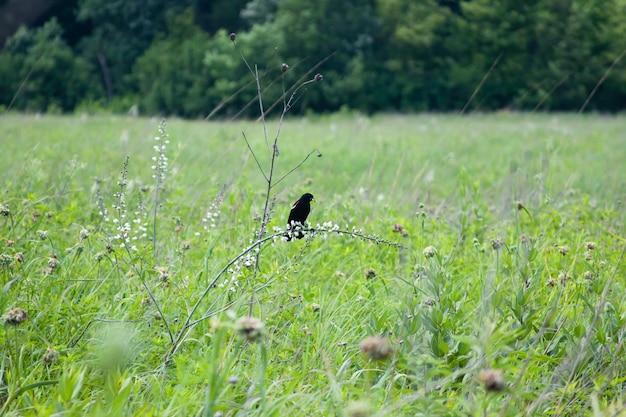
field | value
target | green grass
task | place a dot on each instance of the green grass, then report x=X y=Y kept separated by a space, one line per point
x=496 y=270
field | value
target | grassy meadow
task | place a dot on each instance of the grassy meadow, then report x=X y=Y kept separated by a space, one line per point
x=459 y=266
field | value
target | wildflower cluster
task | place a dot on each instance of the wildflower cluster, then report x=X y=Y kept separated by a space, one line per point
x=160 y=159
x=127 y=230
x=122 y=225
x=210 y=217
x=140 y=222
x=103 y=211
x=247 y=261
x=325 y=228
x=212 y=214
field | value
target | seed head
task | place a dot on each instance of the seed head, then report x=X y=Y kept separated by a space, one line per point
x=19 y=257
x=164 y=274
x=591 y=246
x=53 y=263
x=42 y=234
x=519 y=205
x=318 y=77
x=84 y=234
x=250 y=328
x=315 y=307
x=492 y=380
x=497 y=243
x=376 y=348
x=429 y=251
x=588 y=275
x=370 y=273
x=6 y=260
x=4 y=210
x=232 y=36
x=563 y=250
x=15 y=316
x=50 y=356
x=284 y=67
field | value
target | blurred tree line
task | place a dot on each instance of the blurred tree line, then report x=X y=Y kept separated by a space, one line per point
x=175 y=56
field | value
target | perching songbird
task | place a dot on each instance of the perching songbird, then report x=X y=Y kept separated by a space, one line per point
x=298 y=214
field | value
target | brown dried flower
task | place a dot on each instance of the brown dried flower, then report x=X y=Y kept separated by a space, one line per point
x=251 y=328
x=563 y=250
x=370 y=273
x=497 y=243
x=15 y=316
x=376 y=348
x=492 y=380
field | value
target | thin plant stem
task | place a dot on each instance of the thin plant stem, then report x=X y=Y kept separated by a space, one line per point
x=319 y=154
x=604 y=77
x=258 y=164
x=482 y=81
x=19 y=90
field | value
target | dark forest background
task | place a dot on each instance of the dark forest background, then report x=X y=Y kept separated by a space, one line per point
x=176 y=58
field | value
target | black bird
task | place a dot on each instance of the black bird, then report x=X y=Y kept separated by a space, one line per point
x=298 y=214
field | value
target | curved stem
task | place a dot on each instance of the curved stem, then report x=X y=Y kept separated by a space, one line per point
x=188 y=325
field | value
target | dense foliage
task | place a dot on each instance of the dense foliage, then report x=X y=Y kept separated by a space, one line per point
x=377 y=55
x=506 y=298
